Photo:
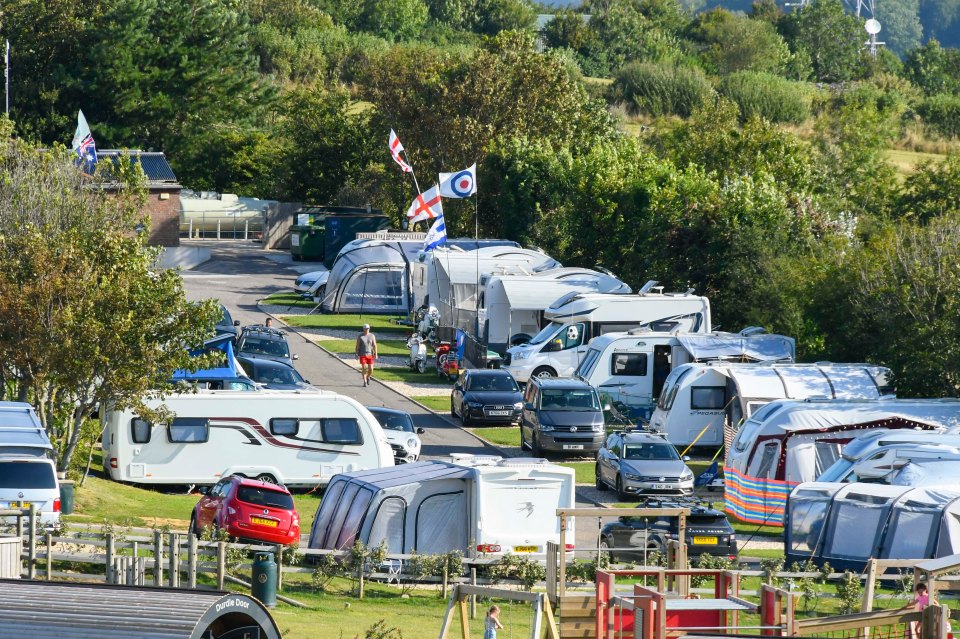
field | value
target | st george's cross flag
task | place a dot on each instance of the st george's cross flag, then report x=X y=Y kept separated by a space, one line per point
x=395 y=149
x=436 y=236
x=426 y=206
x=460 y=184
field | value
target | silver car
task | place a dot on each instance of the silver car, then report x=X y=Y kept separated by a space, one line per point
x=641 y=463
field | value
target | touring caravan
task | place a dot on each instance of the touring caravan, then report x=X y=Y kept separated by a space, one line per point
x=475 y=504
x=577 y=318
x=788 y=442
x=425 y=277
x=847 y=524
x=629 y=369
x=703 y=403
x=297 y=439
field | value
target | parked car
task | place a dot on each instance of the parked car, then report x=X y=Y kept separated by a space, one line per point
x=312 y=284
x=642 y=463
x=490 y=396
x=707 y=532
x=226 y=325
x=273 y=374
x=264 y=342
x=562 y=416
x=30 y=480
x=403 y=436
x=248 y=509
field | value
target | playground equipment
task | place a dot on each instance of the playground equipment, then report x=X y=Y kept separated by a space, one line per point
x=542 y=610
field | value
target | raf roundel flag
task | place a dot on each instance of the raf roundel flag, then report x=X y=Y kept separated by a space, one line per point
x=460 y=184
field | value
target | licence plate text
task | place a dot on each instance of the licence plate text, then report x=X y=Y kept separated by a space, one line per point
x=263 y=522
x=14 y=504
x=525 y=549
x=705 y=540
x=498 y=413
x=663 y=486
x=573 y=446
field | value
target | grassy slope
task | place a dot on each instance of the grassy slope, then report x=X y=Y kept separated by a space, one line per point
x=907 y=161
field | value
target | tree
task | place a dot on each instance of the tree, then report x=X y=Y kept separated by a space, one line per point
x=570 y=30
x=86 y=319
x=831 y=37
x=932 y=191
x=934 y=69
x=901 y=24
x=731 y=43
x=395 y=19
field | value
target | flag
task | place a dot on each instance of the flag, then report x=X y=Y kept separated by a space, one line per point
x=426 y=206
x=395 y=149
x=437 y=234
x=83 y=144
x=460 y=184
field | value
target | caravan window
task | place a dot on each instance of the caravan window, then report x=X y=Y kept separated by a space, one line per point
x=189 y=430
x=827 y=453
x=707 y=397
x=287 y=427
x=913 y=533
x=140 y=430
x=388 y=525
x=351 y=525
x=806 y=524
x=329 y=430
x=669 y=394
x=766 y=466
x=628 y=364
x=854 y=530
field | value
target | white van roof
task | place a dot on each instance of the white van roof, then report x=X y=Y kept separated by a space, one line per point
x=20 y=427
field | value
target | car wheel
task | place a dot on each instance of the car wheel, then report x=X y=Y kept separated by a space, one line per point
x=453 y=413
x=266 y=478
x=421 y=365
x=621 y=494
x=605 y=548
x=544 y=372
x=523 y=443
x=535 y=447
x=601 y=486
x=463 y=419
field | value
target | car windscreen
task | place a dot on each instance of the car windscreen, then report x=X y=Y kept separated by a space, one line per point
x=272 y=375
x=493 y=383
x=707 y=521
x=264 y=497
x=394 y=421
x=569 y=399
x=650 y=451
x=546 y=333
x=271 y=347
x=26 y=475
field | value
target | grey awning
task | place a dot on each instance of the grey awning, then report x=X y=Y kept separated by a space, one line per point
x=757 y=348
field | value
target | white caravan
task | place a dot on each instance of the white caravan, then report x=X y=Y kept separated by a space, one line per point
x=297 y=439
x=703 y=403
x=629 y=369
x=574 y=320
x=476 y=504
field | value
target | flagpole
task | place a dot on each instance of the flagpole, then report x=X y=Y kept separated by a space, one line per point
x=476 y=216
x=6 y=76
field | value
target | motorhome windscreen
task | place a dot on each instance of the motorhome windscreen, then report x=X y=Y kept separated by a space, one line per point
x=26 y=475
x=264 y=497
x=650 y=451
x=569 y=399
x=545 y=334
x=837 y=471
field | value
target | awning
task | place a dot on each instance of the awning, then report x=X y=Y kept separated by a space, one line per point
x=758 y=348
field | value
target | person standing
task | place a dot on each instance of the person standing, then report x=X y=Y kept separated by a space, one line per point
x=492 y=623
x=366 y=353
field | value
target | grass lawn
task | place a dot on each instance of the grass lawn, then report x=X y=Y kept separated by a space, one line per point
x=404 y=374
x=584 y=469
x=289 y=299
x=378 y=323
x=907 y=161
x=499 y=435
x=384 y=346
x=436 y=403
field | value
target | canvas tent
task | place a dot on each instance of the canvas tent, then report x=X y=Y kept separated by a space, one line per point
x=371 y=276
x=788 y=442
x=846 y=524
x=438 y=507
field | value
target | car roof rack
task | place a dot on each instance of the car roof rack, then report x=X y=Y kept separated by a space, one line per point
x=260 y=328
x=676 y=501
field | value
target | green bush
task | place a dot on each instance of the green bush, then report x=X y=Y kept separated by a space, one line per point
x=658 y=90
x=941 y=114
x=769 y=96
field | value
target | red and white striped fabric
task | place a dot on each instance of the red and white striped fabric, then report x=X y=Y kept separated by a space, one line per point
x=426 y=206
x=395 y=149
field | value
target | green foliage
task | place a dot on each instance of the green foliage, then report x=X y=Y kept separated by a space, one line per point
x=731 y=43
x=659 y=90
x=933 y=190
x=934 y=69
x=631 y=30
x=810 y=588
x=324 y=571
x=766 y=96
x=394 y=19
x=831 y=37
x=770 y=567
x=380 y=630
x=709 y=562
x=586 y=570
x=526 y=570
x=941 y=114
x=901 y=24
x=850 y=593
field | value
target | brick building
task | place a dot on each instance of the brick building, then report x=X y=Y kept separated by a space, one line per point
x=163 y=193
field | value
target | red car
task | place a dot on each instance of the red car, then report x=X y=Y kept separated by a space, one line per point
x=248 y=509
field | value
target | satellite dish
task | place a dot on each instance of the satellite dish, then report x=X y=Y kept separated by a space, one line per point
x=872 y=26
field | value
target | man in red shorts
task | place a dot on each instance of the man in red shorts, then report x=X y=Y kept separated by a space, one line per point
x=366 y=353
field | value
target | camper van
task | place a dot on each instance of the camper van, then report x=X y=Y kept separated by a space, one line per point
x=703 y=403
x=297 y=439
x=475 y=504
x=629 y=369
x=27 y=472
x=575 y=319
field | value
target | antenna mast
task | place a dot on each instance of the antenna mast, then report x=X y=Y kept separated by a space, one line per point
x=863 y=8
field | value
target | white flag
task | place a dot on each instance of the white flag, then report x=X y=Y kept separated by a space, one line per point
x=426 y=206
x=437 y=234
x=460 y=184
x=395 y=150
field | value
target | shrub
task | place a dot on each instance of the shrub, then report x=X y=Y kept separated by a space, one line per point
x=769 y=96
x=941 y=114
x=659 y=90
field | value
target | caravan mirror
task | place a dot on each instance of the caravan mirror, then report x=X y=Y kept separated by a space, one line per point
x=421 y=431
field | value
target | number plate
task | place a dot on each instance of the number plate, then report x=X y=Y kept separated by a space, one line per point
x=573 y=446
x=14 y=504
x=663 y=486
x=705 y=540
x=525 y=549
x=263 y=522
x=498 y=413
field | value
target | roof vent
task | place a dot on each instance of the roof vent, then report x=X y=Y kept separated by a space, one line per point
x=647 y=287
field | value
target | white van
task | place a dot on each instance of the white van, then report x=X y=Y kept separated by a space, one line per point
x=574 y=320
x=475 y=504
x=297 y=439
x=631 y=368
x=698 y=400
x=27 y=472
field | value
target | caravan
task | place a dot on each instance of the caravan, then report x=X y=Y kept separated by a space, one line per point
x=297 y=439
x=629 y=369
x=577 y=318
x=476 y=504
x=703 y=403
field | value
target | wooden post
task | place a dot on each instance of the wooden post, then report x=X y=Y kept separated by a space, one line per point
x=174 y=545
x=221 y=564
x=279 y=554
x=192 y=561
x=446 y=578
x=49 y=557
x=32 y=551
x=473 y=598
x=157 y=558
x=867 y=604
x=562 y=551
x=20 y=525
x=464 y=618
x=111 y=577
x=360 y=581
x=448 y=615
x=551 y=621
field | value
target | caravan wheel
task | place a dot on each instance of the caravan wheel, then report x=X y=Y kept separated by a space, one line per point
x=266 y=478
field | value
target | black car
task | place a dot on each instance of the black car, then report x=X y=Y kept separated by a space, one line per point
x=273 y=374
x=490 y=396
x=264 y=342
x=632 y=538
x=226 y=325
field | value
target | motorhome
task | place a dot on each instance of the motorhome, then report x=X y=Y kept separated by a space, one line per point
x=703 y=403
x=629 y=369
x=479 y=505
x=572 y=321
x=297 y=439
x=787 y=442
x=28 y=475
